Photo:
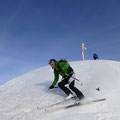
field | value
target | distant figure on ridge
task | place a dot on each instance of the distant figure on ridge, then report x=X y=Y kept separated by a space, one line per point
x=95 y=56
x=63 y=68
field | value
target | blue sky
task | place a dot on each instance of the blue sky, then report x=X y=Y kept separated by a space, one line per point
x=33 y=31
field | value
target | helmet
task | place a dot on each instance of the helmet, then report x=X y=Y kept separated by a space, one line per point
x=52 y=61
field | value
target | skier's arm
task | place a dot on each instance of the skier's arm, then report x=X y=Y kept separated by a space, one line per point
x=56 y=78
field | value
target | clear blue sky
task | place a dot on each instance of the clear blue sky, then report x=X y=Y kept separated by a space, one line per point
x=33 y=31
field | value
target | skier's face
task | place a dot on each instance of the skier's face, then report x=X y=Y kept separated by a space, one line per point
x=52 y=65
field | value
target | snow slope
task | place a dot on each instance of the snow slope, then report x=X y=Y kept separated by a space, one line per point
x=20 y=97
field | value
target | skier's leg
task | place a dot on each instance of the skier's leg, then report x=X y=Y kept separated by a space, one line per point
x=74 y=89
x=62 y=86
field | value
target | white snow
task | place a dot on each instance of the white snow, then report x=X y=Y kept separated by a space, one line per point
x=20 y=97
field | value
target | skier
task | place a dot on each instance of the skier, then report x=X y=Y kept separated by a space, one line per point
x=68 y=77
x=95 y=56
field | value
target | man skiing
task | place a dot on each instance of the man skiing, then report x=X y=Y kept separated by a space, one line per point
x=64 y=69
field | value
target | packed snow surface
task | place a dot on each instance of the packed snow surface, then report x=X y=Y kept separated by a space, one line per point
x=20 y=97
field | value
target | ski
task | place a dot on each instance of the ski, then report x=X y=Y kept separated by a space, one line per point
x=63 y=105
x=80 y=103
x=64 y=102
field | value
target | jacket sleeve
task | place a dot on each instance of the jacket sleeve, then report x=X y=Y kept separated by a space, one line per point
x=56 y=78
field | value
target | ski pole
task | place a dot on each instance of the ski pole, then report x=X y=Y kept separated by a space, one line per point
x=98 y=89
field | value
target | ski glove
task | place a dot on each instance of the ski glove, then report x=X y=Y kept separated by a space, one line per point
x=51 y=87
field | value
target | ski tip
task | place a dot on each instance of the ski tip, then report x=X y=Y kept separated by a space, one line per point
x=102 y=99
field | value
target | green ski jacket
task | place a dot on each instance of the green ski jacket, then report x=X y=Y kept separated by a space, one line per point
x=63 y=69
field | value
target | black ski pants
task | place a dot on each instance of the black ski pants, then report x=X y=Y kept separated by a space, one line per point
x=71 y=86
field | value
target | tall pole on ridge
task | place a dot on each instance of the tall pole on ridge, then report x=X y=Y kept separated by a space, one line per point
x=83 y=48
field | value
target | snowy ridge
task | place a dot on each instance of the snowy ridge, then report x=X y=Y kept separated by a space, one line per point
x=20 y=97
